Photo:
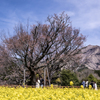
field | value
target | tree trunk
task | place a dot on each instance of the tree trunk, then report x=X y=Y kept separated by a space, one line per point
x=32 y=78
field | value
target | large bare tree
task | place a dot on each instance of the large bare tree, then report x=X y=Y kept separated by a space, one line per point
x=53 y=44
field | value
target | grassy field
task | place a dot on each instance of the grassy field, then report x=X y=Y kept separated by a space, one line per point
x=50 y=93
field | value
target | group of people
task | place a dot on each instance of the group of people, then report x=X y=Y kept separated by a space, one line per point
x=39 y=82
x=92 y=83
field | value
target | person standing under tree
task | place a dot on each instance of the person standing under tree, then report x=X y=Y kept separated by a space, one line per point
x=83 y=83
x=37 y=83
x=41 y=82
x=95 y=85
x=92 y=84
x=86 y=83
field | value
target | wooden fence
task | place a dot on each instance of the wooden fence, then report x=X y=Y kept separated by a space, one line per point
x=32 y=86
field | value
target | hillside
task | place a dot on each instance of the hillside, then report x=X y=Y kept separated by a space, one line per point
x=91 y=57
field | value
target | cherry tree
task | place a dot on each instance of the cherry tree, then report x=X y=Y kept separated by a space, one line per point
x=50 y=45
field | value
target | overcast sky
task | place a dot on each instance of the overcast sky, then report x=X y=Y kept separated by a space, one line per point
x=84 y=15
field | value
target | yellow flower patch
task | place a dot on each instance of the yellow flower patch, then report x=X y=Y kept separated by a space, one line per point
x=20 y=93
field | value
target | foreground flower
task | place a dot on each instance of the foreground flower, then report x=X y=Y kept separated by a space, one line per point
x=52 y=86
x=82 y=86
x=71 y=83
x=90 y=86
x=20 y=93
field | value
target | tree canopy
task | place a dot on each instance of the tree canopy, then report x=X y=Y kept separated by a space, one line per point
x=50 y=45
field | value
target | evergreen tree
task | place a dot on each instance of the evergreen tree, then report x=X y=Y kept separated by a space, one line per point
x=91 y=78
x=67 y=76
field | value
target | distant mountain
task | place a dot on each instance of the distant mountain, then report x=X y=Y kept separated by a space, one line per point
x=91 y=57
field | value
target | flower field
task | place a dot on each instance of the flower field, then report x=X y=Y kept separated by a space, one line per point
x=20 y=93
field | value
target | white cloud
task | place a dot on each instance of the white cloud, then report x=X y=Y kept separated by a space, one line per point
x=86 y=17
x=85 y=13
x=14 y=18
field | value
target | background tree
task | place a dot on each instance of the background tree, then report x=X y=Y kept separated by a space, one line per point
x=98 y=83
x=97 y=72
x=50 y=45
x=91 y=78
x=10 y=73
x=67 y=76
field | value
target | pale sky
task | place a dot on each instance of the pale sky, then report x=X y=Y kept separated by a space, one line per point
x=84 y=15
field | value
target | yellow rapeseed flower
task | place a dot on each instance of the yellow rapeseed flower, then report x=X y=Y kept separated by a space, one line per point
x=90 y=86
x=82 y=86
x=20 y=93
x=71 y=83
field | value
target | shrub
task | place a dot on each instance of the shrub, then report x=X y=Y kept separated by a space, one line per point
x=67 y=76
